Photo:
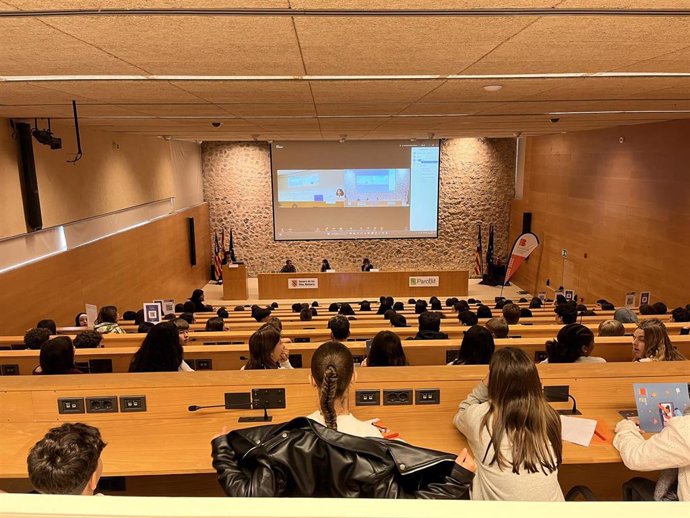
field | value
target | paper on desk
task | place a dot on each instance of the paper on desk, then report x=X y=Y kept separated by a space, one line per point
x=577 y=429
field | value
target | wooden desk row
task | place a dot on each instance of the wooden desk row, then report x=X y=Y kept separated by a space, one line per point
x=233 y=357
x=168 y=439
x=453 y=329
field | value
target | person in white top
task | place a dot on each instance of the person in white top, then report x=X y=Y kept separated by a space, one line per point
x=670 y=448
x=574 y=344
x=514 y=435
x=652 y=343
x=332 y=372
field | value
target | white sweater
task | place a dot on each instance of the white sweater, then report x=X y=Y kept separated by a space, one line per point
x=490 y=481
x=670 y=448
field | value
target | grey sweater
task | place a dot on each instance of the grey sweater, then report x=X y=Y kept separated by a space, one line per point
x=490 y=481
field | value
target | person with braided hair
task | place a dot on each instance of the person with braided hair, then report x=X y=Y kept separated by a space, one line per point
x=574 y=344
x=332 y=371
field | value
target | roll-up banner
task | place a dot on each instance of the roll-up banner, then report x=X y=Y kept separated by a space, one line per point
x=523 y=246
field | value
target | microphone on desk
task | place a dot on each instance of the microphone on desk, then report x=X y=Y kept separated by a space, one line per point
x=194 y=408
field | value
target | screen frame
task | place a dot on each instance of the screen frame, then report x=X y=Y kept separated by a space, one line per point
x=273 y=201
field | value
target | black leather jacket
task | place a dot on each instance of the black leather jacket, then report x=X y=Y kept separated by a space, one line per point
x=304 y=458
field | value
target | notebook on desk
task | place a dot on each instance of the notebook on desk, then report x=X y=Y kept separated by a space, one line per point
x=657 y=403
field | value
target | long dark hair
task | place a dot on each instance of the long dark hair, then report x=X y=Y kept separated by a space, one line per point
x=57 y=356
x=196 y=295
x=261 y=345
x=519 y=413
x=107 y=314
x=476 y=348
x=386 y=351
x=160 y=351
x=331 y=367
x=568 y=345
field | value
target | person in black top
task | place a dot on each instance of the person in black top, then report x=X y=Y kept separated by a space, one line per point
x=288 y=267
x=366 y=265
x=197 y=299
x=325 y=265
x=430 y=327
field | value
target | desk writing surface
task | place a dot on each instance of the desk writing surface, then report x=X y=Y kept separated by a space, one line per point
x=168 y=439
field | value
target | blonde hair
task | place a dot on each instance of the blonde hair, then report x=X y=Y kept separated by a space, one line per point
x=657 y=344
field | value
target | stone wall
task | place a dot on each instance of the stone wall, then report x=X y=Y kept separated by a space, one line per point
x=477 y=184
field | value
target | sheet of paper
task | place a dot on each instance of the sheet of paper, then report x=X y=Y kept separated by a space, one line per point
x=91 y=314
x=577 y=429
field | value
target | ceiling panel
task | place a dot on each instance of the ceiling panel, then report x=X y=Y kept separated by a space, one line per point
x=472 y=90
x=249 y=91
x=610 y=88
x=367 y=92
x=419 y=4
x=360 y=108
x=26 y=93
x=34 y=5
x=447 y=108
x=28 y=46
x=280 y=125
x=356 y=45
x=270 y=109
x=123 y=91
x=193 y=44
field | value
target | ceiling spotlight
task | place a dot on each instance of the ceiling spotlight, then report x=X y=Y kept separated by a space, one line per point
x=413 y=139
x=166 y=137
x=493 y=88
x=46 y=136
x=342 y=139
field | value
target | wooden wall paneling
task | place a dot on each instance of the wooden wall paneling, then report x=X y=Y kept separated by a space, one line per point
x=127 y=269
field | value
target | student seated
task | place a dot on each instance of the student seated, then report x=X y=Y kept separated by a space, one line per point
x=47 y=324
x=574 y=344
x=187 y=317
x=332 y=308
x=420 y=307
x=484 y=311
x=660 y=308
x=385 y=351
x=179 y=307
x=430 y=327
x=81 y=320
x=535 y=303
x=346 y=309
x=67 y=461
x=467 y=318
x=145 y=327
x=365 y=305
x=399 y=306
x=215 y=324
x=511 y=314
x=498 y=327
x=647 y=309
x=652 y=343
x=667 y=450
x=525 y=313
x=513 y=433
x=129 y=315
x=611 y=328
x=36 y=337
x=305 y=315
x=461 y=305
x=261 y=314
x=331 y=453
x=340 y=328
x=161 y=351
x=436 y=305
x=88 y=340
x=267 y=350
x=625 y=316
x=566 y=313
x=106 y=322
x=223 y=312
x=389 y=314
x=57 y=357
x=398 y=320
x=476 y=348
x=197 y=299
x=680 y=315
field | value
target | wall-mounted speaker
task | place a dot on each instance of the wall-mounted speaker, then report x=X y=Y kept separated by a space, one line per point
x=27 y=178
x=192 y=242
x=526 y=222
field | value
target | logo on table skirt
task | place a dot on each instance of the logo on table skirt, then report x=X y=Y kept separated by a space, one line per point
x=296 y=284
x=424 y=282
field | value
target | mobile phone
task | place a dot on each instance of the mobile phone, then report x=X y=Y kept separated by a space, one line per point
x=627 y=414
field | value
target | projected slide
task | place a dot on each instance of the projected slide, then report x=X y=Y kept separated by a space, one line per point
x=355 y=190
x=344 y=188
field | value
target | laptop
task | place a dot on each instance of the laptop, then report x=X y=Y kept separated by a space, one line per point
x=657 y=403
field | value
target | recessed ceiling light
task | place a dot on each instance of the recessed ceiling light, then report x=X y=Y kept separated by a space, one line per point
x=493 y=88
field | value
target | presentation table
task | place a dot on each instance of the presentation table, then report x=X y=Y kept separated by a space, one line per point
x=410 y=283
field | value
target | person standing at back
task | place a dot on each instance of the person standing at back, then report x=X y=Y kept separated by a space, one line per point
x=514 y=434
x=325 y=265
x=366 y=265
x=288 y=267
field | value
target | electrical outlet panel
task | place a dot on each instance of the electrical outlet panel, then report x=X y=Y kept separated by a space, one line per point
x=71 y=405
x=427 y=396
x=367 y=397
x=101 y=405
x=397 y=397
x=132 y=403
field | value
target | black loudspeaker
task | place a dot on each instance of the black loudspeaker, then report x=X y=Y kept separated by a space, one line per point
x=192 y=242
x=526 y=222
x=27 y=178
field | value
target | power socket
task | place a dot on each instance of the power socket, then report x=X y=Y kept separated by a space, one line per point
x=427 y=397
x=101 y=405
x=397 y=397
x=132 y=403
x=71 y=405
x=367 y=397
x=11 y=369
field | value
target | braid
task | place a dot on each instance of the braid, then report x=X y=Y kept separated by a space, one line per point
x=327 y=396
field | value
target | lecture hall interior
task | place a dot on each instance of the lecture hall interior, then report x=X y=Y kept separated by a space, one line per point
x=397 y=149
